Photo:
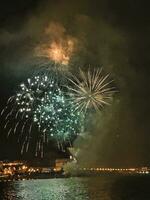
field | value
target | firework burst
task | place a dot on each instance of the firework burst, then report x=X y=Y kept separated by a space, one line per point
x=40 y=107
x=90 y=90
x=20 y=109
x=45 y=110
x=57 y=119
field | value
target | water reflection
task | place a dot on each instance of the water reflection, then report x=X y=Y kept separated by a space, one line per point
x=93 y=188
x=46 y=189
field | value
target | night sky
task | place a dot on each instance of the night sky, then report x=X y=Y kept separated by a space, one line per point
x=113 y=34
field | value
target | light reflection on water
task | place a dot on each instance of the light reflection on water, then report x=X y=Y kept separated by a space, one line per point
x=46 y=189
x=92 y=188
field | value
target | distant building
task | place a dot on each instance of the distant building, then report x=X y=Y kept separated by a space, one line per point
x=1 y=165
x=46 y=170
x=59 y=163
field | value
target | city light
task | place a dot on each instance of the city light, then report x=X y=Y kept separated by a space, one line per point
x=19 y=170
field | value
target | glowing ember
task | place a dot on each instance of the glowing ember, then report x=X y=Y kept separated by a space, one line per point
x=57 y=46
x=60 y=53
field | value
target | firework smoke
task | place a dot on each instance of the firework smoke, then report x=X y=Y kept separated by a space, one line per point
x=59 y=46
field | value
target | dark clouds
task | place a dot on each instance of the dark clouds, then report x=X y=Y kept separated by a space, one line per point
x=114 y=34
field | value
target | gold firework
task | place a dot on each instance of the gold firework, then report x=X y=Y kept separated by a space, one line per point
x=91 y=90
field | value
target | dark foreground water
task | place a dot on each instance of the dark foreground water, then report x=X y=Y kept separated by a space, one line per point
x=93 y=188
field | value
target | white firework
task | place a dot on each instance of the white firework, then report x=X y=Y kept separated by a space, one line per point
x=40 y=112
x=20 y=108
x=91 y=90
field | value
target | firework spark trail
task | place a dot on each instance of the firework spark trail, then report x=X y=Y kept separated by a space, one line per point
x=9 y=132
x=91 y=90
x=45 y=66
x=20 y=108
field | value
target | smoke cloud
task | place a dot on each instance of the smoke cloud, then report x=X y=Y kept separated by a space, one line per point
x=100 y=34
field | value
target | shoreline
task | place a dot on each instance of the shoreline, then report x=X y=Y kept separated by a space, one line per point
x=50 y=176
